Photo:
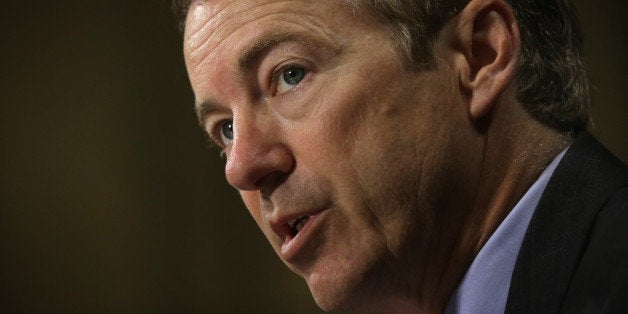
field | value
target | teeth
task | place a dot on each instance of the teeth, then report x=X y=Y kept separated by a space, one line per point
x=292 y=222
x=297 y=224
x=300 y=223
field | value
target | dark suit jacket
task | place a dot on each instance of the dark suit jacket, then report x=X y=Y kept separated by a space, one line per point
x=574 y=257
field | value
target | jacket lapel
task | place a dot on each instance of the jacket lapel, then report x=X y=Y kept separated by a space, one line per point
x=559 y=230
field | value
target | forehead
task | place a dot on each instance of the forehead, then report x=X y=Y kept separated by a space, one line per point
x=212 y=26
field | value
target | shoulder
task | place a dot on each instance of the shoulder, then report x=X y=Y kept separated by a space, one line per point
x=600 y=283
x=574 y=257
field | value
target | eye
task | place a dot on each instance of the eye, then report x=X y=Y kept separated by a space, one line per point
x=289 y=78
x=226 y=132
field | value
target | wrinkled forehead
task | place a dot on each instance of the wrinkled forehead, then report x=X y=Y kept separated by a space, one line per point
x=202 y=20
x=209 y=9
x=216 y=20
x=220 y=27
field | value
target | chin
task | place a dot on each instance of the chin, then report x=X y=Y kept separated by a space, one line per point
x=331 y=296
x=346 y=288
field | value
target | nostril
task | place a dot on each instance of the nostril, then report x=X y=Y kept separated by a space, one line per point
x=271 y=181
x=241 y=175
x=258 y=168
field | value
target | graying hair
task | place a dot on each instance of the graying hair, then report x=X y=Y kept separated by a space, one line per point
x=552 y=84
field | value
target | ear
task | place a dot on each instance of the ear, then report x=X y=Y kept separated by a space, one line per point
x=486 y=44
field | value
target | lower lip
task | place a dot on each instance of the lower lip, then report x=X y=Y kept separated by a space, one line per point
x=293 y=245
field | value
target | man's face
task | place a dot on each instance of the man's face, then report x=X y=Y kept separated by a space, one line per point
x=340 y=152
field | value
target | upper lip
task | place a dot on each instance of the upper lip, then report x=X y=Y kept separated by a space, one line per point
x=281 y=224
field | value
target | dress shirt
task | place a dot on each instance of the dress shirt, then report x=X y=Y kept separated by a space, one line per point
x=484 y=288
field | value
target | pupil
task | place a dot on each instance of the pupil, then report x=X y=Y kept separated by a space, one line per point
x=227 y=130
x=293 y=75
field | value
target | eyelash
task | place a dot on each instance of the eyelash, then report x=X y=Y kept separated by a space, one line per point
x=212 y=144
x=215 y=138
x=278 y=72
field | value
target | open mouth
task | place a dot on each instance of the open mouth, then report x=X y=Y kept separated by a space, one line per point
x=297 y=224
x=298 y=233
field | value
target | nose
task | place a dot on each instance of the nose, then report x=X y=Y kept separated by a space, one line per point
x=257 y=159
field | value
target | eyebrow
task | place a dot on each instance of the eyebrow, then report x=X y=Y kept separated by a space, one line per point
x=266 y=42
x=252 y=54
x=204 y=109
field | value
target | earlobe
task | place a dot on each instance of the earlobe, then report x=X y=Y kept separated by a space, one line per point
x=487 y=44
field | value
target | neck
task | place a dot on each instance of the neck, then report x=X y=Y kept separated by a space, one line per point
x=515 y=150
x=516 y=153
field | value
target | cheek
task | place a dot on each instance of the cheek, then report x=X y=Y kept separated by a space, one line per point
x=251 y=200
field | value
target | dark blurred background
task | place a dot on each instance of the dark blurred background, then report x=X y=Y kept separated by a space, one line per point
x=110 y=200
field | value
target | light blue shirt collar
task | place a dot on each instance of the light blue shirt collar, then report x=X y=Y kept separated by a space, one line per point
x=484 y=288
